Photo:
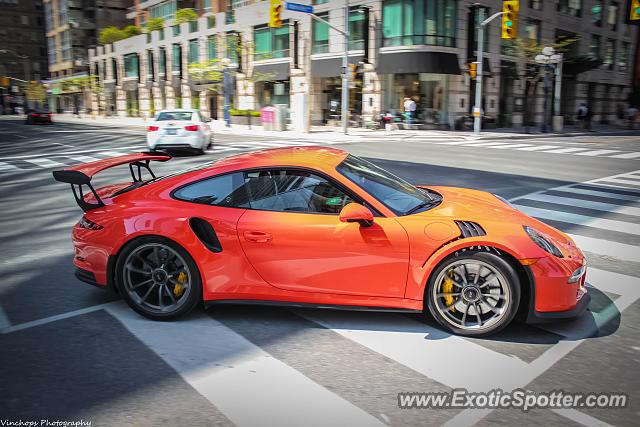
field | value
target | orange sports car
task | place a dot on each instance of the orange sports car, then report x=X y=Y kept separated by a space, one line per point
x=315 y=226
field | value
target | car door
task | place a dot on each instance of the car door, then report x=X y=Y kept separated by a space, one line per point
x=293 y=237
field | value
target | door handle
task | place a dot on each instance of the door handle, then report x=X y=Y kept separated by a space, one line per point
x=257 y=236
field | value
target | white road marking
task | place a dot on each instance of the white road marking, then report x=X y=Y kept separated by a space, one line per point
x=597 y=152
x=566 y=150
x=634 y=155
x=502 y=147
x=110 y=153
x=83 y=159
x=45 y=163
x=223 y=365
x=590 y=221
x=488 y=144
x=537 y=148
x=597 y=193
x=44 y=321
x=7 y=166
x=4 y=320
x=608 y=248
x=580 y=203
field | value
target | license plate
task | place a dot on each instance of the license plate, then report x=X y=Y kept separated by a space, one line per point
x=172 y=132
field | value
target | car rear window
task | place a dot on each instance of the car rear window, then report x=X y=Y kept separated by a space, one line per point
x=174 y=115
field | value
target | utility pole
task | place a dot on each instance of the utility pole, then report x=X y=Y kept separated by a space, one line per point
x=345 y=73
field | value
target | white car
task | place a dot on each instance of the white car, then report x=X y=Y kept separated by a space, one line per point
x=179 y=129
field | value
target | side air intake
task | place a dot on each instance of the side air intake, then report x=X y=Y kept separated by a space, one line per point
x=470 y=229
x=205 y=232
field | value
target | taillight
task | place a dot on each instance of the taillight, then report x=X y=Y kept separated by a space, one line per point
x=35 y=114
x=191 y=128
x=152 y=128
x=88 y=224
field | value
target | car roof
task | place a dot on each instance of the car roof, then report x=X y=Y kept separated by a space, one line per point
x=317 y=157
x=177 y=110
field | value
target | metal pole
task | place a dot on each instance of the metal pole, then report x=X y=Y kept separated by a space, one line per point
x=227 y=87
x=558 y=88
x=345 y=74
x=477 y=109
x=546 y=99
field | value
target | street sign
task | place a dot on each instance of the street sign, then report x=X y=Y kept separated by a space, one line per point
x=297 y=7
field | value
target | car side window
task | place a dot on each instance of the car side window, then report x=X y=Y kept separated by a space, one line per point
x=224 y=190
x=293 y=191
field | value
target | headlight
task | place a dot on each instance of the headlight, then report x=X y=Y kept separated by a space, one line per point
x=540 y=240
x=502 y=199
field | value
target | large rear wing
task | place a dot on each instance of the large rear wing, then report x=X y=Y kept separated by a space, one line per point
x=80 y=176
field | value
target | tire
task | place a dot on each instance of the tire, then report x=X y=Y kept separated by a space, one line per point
x=161 y=263
x=210 y=144
x=495 y=295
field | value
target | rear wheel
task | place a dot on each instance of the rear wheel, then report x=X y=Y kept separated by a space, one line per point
x=473 y=293
x=158 y=278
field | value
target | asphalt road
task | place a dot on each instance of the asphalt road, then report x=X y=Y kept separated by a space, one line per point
x=69 y=351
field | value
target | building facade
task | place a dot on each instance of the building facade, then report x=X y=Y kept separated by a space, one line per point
x=23 y=55
x=72 y=28
x=398 y=48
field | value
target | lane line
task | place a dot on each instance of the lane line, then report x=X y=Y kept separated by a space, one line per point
x=597 y=153
x=537 y=148
x=634 y=155
x=577 y=219
x=45 y=163
x=222 y=365
x=8 y=167
x=607 y=248
x=566 y=150
x=44 y=321
x=502 y=147
x=580 y=203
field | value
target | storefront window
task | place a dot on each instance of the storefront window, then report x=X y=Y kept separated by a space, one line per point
x=532 y=30
x=419 y=22
x=429 y=91
x=356 y=28
x=192 y=55
x=623 y=59
x=596 y=13
x=131 y=65
x=150 y=65
x=233 y=47
x=609 y=54
x=320 y=31
x=594 y=46
x=570 y=7
x=272 y=93
x=271 y=42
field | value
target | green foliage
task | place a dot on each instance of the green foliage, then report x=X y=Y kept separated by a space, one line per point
x=185 y=15
x=110 y=35
x=154 y=24
x=209 y=73
x=244 y=113
x=36 y=92
x=131 y=30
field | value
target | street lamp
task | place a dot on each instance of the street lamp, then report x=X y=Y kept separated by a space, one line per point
x=227 y=83
x=548 y=59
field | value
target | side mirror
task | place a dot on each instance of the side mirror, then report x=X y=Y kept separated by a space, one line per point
x=354 y=212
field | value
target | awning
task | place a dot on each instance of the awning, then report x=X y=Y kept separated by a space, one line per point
x=278 y=71
x=418 y=62
x=331 y=67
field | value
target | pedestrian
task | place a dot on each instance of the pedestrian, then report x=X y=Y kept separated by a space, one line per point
x=632 y=114
x=582 y=114
x=588 y=117
x=409 y=109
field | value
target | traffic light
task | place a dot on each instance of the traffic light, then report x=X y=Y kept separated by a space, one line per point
x=510 y=10
x=275 y=14
x=634 y=12
x=353 y=69
x=473 y=69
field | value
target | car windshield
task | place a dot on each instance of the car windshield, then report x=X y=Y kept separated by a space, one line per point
x=395 y=193
x=174 y=115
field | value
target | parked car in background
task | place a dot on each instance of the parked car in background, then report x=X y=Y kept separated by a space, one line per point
x=180 y=129
x=38 y=116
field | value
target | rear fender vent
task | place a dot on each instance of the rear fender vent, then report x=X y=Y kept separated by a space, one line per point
x=470 y=229
x=205 y=232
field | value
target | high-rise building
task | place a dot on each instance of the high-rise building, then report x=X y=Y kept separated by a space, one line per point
x=72 y=28
x=22 y=47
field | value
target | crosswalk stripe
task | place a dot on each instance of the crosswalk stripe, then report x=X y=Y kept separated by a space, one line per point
x=577 y=219
x=622 y=251
x=620 y=183
x=566 y=150
x=634 y=155
x=512 y=146
x=537 y=148
x=606 y=207
x=599 y=193
x=457 y=142
x=597 y=152
x=488 y=144
x=7 y=166
x=424 y=349
x=222 y=365
x=44 y=163
x=83 y=159
x=110 y=153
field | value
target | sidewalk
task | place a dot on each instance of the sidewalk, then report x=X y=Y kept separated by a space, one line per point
x=319 y=133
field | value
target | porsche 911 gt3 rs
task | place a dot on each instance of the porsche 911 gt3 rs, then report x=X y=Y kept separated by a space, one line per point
x=316 y=226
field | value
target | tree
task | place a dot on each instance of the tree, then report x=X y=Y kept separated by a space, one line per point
x=131 y=30
x=154 y=24
x=110 y=35
x=36 y=92
x=185 y=15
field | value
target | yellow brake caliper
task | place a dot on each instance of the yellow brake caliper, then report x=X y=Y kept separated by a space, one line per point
x=447 y=288
x=178 y=289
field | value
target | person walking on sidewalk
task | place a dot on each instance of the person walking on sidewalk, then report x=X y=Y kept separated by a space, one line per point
x=409 y=109
x=632 y=114
x=583 y=111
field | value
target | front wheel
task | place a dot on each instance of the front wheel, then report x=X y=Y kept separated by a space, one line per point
x=473 y=293
x=158 y=278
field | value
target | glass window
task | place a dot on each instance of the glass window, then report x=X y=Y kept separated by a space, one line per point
x=225 y=190
x=211 y=22
x=131 y=65
x=594 y=46
x=162 y=61
x=293 y=191
x=174 y=115
x=63 y=12
x=271 y=42
x=164 y=10
x=161 y=32
x=114 y=70
x=356 y=28
x=532 y=30
x=206 y=4
x=570 y=7
x=596 y=13
x=609 y=54
x=51 y=49
x=193 y=26
x=65 y=41
x=193 y=54
x=623 y=59
x=396 y=194
x=320 y=34
x=212 y=47
x=612 y=16
x=233 y=47
x=151 y=69
x=176 y=30
x=48 y=16
x=320 y=2
x=176 y=58
x=415 y=22
x=535 y=4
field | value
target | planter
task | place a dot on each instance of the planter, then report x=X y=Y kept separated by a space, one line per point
x=243 y=120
